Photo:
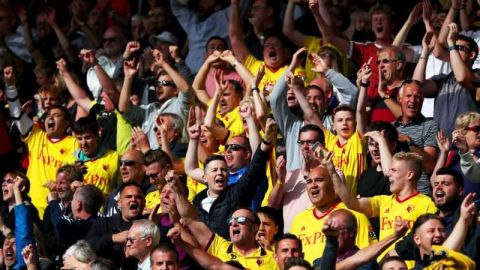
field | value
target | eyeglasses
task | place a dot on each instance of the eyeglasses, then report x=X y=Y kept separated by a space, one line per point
x=164 y=83
x=474 y=128
x=462 y=48
x=152 y=175
x=234 y=147
x=240 y=220
x=386 y=61
x=309 y=142
x=127 y=162
x=133 y=240
x=113 y=39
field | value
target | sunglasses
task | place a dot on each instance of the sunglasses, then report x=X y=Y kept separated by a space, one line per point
x=309 y=142
x=9 y=181
x=240 y=220
x=462 y=48
x=127 y=162
x=474 y=128
x=234 y=147
x=386 y=61
x=164 y=83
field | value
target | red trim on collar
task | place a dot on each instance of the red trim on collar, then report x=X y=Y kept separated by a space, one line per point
x=326 y=213
x=407 y=198
x=59 y=139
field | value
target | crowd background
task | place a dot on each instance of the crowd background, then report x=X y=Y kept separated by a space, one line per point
x=239 y=134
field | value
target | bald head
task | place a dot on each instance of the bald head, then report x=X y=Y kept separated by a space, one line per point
x=131 y=166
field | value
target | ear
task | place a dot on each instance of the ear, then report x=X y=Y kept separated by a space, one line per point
x=471 y=56
x=410 y=175
x=416 y=239
x=149 y=241
x=248 y=155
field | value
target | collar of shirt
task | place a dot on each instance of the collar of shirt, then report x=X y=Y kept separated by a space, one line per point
x=235 y=176
x=417 y=120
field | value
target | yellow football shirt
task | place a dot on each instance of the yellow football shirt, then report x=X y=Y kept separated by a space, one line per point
x=225 y=251
x=102 y=172
x=350 y=158
x=271 y=76
x=45 y=157
x=390 y=208
x=307 y=226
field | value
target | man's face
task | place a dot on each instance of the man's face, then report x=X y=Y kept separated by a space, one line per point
x=446 y=190
x=236 y=153
x=242 y=232
x=9 y=252
x=207 y=139
x=229 y=99
x=464 y=50
x=88 y=143
x=319 y=187
x=215 y=45
x=374 y=150
x=167 y=197
x=381 y=26
x=156 y=174
x=287 y=248
x=216 y=175
x=307 y=140
x=316 y=99
x=161 y=260
x=7 y=187
x=267 y=229
x=131 y=202
x=113 y=43
x=55 y=123
x=344 y=124
x=259 y=12
x=346 y=236
x=389 y=65
x=131 y=167
x=137 y=245
x=166 y=88
x=274 y=54
x=166 y=122
x=411 y=100
x=63 y=186
x=292 y=101
x=397 y=175
x=429 y=233
x=157 y=20
x=394 y=265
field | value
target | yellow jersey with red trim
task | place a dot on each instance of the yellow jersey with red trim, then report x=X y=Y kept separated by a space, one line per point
x=102 y=172
x=232 y=121
x=45 y=157
x=225 y=250
x=351 y=157
x=307 y=226
x=390 y=208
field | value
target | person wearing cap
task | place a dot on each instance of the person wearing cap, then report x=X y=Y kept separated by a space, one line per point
x=174 y=95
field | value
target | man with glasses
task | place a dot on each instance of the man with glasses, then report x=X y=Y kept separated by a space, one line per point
x=157 y=164
x=458 y=91
x=108 y=235
x=174 y=95
x=416 y=132
x=142 y=237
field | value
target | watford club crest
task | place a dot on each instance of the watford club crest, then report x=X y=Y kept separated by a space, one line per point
x=105 y=167
x=233 y=256
x=410 y=208
x=259 y=262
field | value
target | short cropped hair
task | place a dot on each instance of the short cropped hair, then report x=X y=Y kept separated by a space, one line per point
x=91 y=198
x=159 y=156
x=414 y=160
x=86 y=124
x=148 y=228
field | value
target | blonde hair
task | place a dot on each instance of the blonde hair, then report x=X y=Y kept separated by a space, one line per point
x=465 y=119
x=414 y=160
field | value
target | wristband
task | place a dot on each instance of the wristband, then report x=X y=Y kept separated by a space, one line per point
x=452 y=48
x=265 y=142
x=255 y=89
x=366 y=85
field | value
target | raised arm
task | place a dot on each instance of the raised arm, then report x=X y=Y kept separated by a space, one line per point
x=450 y=18
x=191 y=158
x=413 y=18
x=363 y=81
x=242 y=71
x=235 y=32
x=456 y=239
x=22 y=121
x=49 y=16
x=246 y=112
x=77 y=92
x=328 y=33
x=261 y=108
x=177 y=78
x=218 y=131
x=430 y=88
x=444 y=147
x=288 y=29
x=201 y=78
x=27 y=35
x=130 y=70
x=361 y=205
x=385 y=154
x=276 y=195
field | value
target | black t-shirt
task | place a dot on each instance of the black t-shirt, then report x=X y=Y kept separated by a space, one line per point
x=372 y=183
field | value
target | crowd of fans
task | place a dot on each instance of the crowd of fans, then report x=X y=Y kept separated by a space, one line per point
x=239 y=134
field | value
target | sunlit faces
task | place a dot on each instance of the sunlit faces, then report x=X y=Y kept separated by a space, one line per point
x=156 y=174
x=397 y=175
x=230 y=99
x=56 y=123
x=306 y=140
x=316 y=99
x=166 y=122
x=7 y=187
x=274 y=53
x=237 y=153
x=472 y=135
x=319 y=187
x=381 y=26
x=432 y=232
x=88 y=143
x=287 y=248
x=374 y=150
x=292 y=101
x=464 y=50
x=163 y=260
x=389 y=65
x=216 y=175
x=243 y=233
x=131 y=167
x=445 y=190
x=213 y=45
x=344 y=123
x=167 y=197
x=259 y=12
x=131 y=202
x=136 y=245
x=207 y=139
x=165 y=88
x=411 y=100
x=62 y=185
x=267 y=229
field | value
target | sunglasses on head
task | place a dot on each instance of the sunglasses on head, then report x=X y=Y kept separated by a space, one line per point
x=234 y=147
x=474 y=128
x=164 y=83
x=240 y=220
x=127 y=162
x=386 y=61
